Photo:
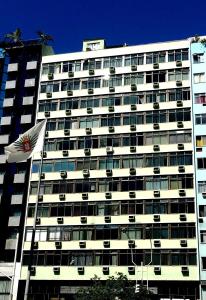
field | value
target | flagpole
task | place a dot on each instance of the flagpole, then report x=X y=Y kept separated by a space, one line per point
x=34 y=223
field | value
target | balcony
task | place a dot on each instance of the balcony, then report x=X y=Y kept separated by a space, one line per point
x=26 y=119
x=14 y=221
x=29 y=82
x=31 y=65
x=19 y=178
x=16 y=199
x=10 y=84
x=8 y=102
x=28 y=100
x=13 y=67
x=6 y=120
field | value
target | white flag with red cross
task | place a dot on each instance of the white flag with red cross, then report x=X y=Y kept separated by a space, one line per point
x=27 y=144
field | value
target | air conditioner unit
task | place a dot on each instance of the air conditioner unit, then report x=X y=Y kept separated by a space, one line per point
x=182 y=193
x=131 y=270
x=58 y=245
x=40 y=198
x=33 y=271
x=111 y=129
x=88 y=130
x=91 y=72
x=112 y=89
x=156 y=170
x=157 y=270
x=178 y=63
x=38 y=221
x=156 y=193
x=70 y=74
x=185 y=269
x=156 y=148
x=111 y=108
x=42 y=176
x=66 y=131
x=50 y=76
x=178 y=83
x=133 y=87
x=68 y=112
x=84 y=196
x=181 y=169
x=108 y=195
x=48 y=95
x=69 y=93
x=90 y=91
x=65 y=152
x=133 y=127
x=133 y=68
x=180 y=146
x=131 y=218
x=201 y=220
x=156 y=218
x=83 y=220
x=87 y=151
x=156 y=126
x=156 y=85
x=112 y=70
x=133 y=107
x=109 y=150
x=105 y=270
x=89 y=110
x=85 y=173
x=157 y=243
x=44 y=154
x=109 y=172
x=62 y=197
x=56 y=270
x=183 y=243
x=106 y=244
x=179 y=103
x=80 y=270
x=46 y=133
x=180 y=124
x=107 y=219
x=63 y=174
x=183 y=217
x=47 y=114
x=132 y=149
x=156 y=105
x=82 y=244
x=36 y=245
x=132 y=171
x=60 y=220
x=131 y=243
x=155 y=66
x=132 y=194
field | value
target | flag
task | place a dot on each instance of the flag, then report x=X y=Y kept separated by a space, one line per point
x=27 y=144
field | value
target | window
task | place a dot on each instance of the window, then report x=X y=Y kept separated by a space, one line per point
x=51 y=68
x=156 y=57
x=50 y=87
x=201 y=163
x=115 y=61
x=179 y=54
x=200 y=98
x=91 y=83
x=178 y=75
x=203 y=263
x=72 y=84
x=198 y=58
x=134 y=59
x=134 y=79
x=92 y=64
x=158 y=76
x=200 y=140
x=71 y=66
x=199 y=77
x=202 y=211
x=203 y=236
x=201 y=186
x=200 y=119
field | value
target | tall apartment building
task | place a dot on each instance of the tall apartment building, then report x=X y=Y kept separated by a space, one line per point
x=18 y=99
x=121 y=188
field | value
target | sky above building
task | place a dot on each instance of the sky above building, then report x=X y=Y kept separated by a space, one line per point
x=130 y=21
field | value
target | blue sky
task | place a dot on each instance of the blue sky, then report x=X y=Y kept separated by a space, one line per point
x=129 y=21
